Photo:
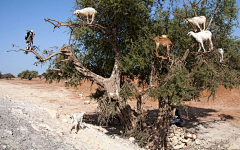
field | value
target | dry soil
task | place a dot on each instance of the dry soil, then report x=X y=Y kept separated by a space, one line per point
x=35 y=115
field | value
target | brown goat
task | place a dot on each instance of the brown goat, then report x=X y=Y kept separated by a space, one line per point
x=164 y=42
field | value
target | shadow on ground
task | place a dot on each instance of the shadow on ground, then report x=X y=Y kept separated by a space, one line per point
x=194 y=118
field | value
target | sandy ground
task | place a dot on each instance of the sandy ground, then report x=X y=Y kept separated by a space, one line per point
x=216 y=122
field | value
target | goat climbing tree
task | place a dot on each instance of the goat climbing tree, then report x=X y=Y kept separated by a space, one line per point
x=115 y=52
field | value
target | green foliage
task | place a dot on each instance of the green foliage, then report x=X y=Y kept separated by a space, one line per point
x=130 y=24
x=28 y=74
x=8 y=76
x=126 y=19
x=63 y=70
x=107 y=109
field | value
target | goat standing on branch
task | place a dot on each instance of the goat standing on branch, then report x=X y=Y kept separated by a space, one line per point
x=164 y=42
x=29 y=39
x=220 y=52
x=202 y=36
x=89 y=11
x=197 y=21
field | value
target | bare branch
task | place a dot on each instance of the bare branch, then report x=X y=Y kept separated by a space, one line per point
x=31 y=50
x=67 y=51
x=188 y=51
x=138 y=91
x=199 y=3
x=180 y=15
x=185 y=6
x=185 y=17
x=212 y=17
x=36 y=53
x=193 y=7
x=58 y=24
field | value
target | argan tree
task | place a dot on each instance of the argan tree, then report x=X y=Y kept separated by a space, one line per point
x=115 y=52
x=28 y=74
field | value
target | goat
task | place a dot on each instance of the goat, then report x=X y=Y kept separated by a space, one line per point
x=165 y=36
x=202 y=36
x=197 y=21
x=29 y=39
x=220 y=52
x=89 y=11
x=164 y=42
x=77 y=120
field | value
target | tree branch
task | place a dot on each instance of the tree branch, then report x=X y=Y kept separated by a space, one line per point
x=185 y=17
x=36 y=53
x=212 y=17
x=58 y=24
x=67 y=51
x=188 y=51
x=194 y=6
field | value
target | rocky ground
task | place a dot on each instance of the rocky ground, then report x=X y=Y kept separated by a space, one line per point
x=35 y=115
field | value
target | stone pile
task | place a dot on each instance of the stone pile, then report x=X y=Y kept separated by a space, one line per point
x=178 y=137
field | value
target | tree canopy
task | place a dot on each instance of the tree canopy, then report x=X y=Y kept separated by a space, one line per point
x=116 y=52
x=28 y=74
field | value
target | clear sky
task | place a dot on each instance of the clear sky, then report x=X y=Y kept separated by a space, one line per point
x=17 y=16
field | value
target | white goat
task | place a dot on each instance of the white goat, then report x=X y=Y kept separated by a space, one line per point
x=220 y=52
x=77 y=120
x=201 y=37
x=89 y=11
x=197 y=21
x=29 y=39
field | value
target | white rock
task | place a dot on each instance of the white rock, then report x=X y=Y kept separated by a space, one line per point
x=168 y=139
x=179 y=146
x=188 y=135
x=64 y=120
x=171 y=135
x=86 y=102
x=197 y=141
x=169 y=144
x=177 y=135
x=132 y=139
x=194 y=136
x=189 y=143
x=184 y=140
x=174 y=140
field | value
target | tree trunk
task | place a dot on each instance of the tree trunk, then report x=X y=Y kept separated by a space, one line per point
x=161 y=125
x=128 y=118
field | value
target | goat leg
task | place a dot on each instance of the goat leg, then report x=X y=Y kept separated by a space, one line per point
x=199 y=47
x=157 y=45
x=87 y=19
x=168 y=50
x=92 y=18
x=199 y=27
x=203 y=47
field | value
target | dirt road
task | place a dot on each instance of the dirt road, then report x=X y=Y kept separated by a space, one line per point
x=35 y=114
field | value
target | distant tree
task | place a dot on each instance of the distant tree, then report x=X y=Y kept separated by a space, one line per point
x=115 y=53
x=0 y=74
x=43 y=74
x=19 y=75
x=28 y=74
x=40 y=76
x=8 y=76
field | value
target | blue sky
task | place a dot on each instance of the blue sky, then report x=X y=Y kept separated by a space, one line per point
x=17 y=16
